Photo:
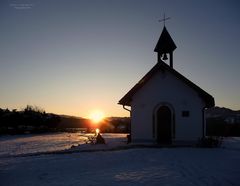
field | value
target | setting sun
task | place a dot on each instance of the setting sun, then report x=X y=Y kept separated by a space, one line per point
x=97 y=116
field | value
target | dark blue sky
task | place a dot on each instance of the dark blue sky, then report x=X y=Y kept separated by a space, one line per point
x=74 y=56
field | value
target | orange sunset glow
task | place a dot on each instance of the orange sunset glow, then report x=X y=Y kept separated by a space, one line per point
x=97 y=116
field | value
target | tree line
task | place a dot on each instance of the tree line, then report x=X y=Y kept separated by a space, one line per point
x=31 y=119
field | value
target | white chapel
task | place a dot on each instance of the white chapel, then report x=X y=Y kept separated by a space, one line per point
x=166 y=107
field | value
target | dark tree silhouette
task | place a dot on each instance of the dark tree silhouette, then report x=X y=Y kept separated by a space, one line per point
x=32 y=119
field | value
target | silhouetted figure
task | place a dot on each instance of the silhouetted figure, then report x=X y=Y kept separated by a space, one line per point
x=100 y=139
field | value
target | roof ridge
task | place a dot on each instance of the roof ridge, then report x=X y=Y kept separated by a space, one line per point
x=125 y=100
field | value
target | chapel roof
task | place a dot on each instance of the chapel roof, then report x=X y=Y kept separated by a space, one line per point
x=165 y=43
x=126 y=100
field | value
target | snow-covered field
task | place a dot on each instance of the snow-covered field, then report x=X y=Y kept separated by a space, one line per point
x=137 y=166
x=20 y=145
x=34 y=143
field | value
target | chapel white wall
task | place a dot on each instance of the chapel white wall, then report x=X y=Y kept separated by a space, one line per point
x=163 y=87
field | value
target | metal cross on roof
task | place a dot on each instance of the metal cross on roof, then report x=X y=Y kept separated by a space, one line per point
x=164 y=19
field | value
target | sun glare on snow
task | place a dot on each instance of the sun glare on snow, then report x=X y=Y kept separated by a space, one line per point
x=97 y=116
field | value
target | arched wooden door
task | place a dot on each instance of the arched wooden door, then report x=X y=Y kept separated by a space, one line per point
x=164 y=128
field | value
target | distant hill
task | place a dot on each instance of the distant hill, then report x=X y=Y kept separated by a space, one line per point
x=221 y=111
x=222 y=122
x=109 y=124
x=226 y=114
x=72 y=122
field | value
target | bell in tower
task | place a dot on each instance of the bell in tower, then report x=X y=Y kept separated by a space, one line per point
x=164 y=57
x=165 y=47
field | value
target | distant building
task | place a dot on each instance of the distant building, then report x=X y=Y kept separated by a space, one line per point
x=166 y=107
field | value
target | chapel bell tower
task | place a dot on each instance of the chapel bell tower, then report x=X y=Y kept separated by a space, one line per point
x=165 y=47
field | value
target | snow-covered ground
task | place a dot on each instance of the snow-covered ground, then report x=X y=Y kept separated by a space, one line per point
x=34 y=143
x=137 y=166
x=20 y=145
